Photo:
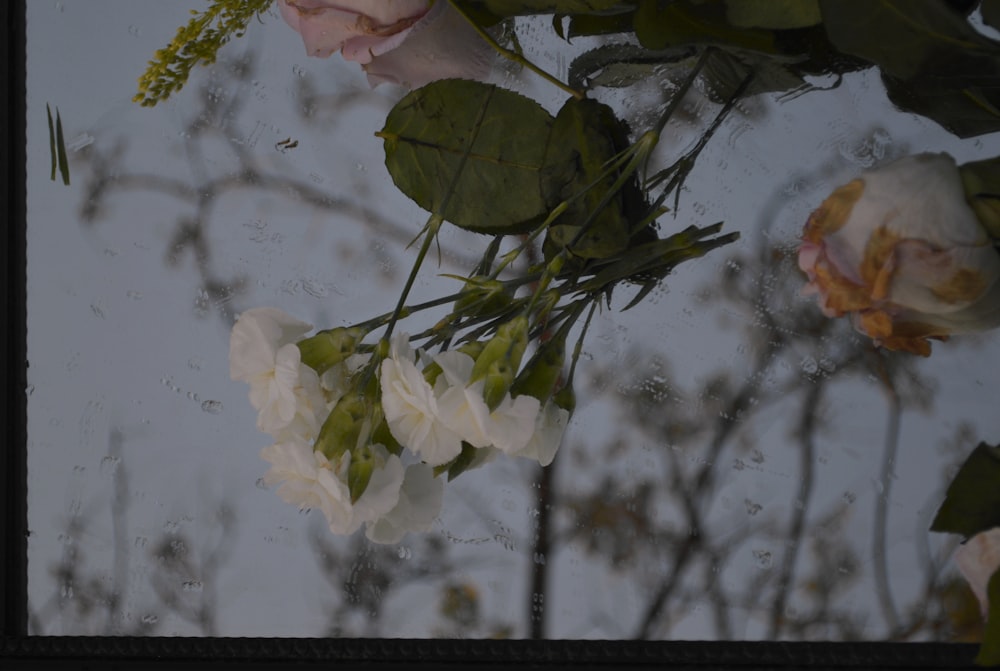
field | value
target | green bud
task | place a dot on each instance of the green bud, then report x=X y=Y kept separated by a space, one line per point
x=542 y=371
x=473 y=348
x=508 y=344
x=483 y=297
x=326 y=349
x=499 y=378
x=383 y=436
x=343 y=427
x=565 y=398
x=981 y=181
x=462 y=462
x=359 y=473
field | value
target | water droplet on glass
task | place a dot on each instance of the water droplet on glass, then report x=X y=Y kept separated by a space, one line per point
x=762 y=558
x=809 y=366
x=192 y=586
x=109 y=465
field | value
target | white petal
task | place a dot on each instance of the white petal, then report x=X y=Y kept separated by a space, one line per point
x=441 y=45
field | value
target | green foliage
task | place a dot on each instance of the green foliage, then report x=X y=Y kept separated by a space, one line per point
x=972 y=502
x=933 y=62
x=470 y=152
x=197 y=42
x=584 y=139
x=773 y=14
x=660 y=24
x=523 y=7
x=991 y=12
x=57 y=147
x=989 y=651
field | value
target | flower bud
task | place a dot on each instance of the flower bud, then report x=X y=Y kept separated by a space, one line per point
x=540 y=374
x=326 y=349
x=508 y=344
x=359 y=473
x=905 y=255
x=565 y=398
x=343 y=427
x=981 y=181
x=473 y=349
x=499 y=378
x=483 y=297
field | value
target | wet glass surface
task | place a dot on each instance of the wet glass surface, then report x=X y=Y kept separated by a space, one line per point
x=738 y=465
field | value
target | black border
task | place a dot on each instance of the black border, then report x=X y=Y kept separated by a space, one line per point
x=19 y=651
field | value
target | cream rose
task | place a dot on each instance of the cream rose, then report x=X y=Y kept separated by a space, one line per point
x=406 y=42
x=901 y=250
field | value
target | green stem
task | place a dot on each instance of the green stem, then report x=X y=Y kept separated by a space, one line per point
x=516 y=57
x=433 y=225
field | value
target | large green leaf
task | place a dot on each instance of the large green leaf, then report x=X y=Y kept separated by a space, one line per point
x=621 y=64
x=584 y=138
x=966 y=112
x=665 y=23
x=525 y=7
x=470 y=152
x=773 y=14
x=909 y=38
x=991 y=12
x=972 y=502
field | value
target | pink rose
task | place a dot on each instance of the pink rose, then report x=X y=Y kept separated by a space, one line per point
x=902 y=252
x=406 y=42
x=978 y=558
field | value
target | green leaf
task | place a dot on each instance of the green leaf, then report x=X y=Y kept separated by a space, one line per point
x=661 y=23
x=584 y=138
x=972 y=502
x=908 y=38
x=725 y=71
x=600 y=24
x=526 y=7
x=773 y=14
x=470 y=152
x=966 y=112
x=616 y=65
x=61 y=150
x=989 y=650
x=990 y=10
x=52 y=142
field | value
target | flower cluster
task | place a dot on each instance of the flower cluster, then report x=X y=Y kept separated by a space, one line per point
x=362 y=433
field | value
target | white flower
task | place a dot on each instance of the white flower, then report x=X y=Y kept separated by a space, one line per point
x=411 y=408
x=902 y=251
x=419 y=504
x=508 y=428
x=306 y=478
x=978 y=559
x=285 y=392
x=549 y=428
